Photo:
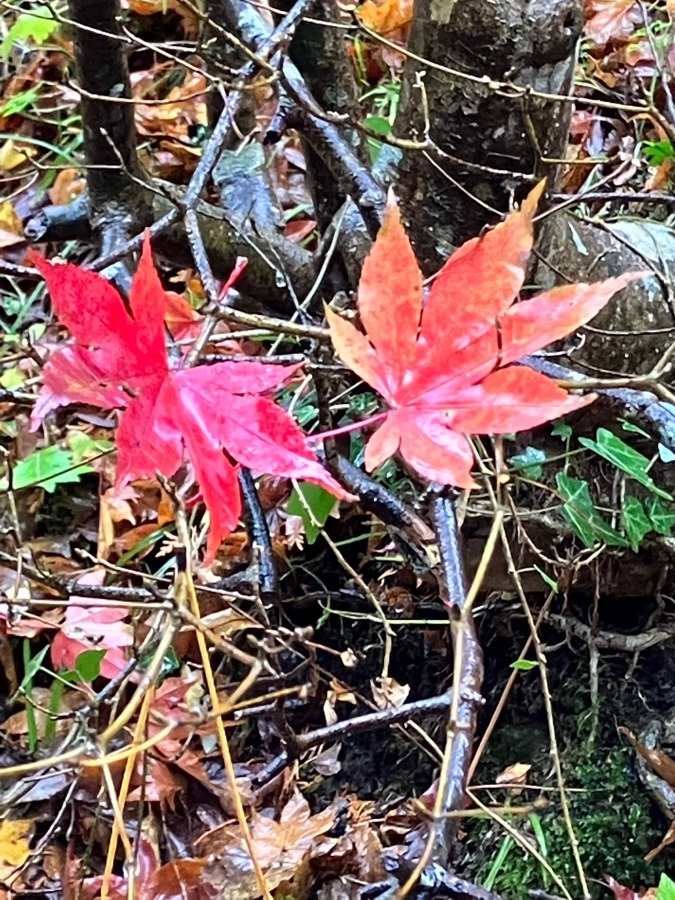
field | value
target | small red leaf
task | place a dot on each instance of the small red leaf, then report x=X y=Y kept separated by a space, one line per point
x=93 y=628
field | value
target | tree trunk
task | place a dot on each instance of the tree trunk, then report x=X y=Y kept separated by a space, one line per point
x=464 y=54
x=113 y=169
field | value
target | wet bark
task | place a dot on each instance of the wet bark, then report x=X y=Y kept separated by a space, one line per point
x=503 y=134
x=320 y=54
x=630 y=335
x=117 y=205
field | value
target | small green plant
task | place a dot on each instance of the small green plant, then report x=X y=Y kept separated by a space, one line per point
x=36 y=26
x=637 y=518
x=52 y=466
x=87 y=669
x=612 y=821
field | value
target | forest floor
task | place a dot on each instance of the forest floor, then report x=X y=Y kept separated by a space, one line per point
x=113 y=777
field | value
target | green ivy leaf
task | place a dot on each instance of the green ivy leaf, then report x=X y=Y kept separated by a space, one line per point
x=625 y=458
x=313 y=504
x=85 y=448
x=656 y=152
x=635 y=522
x=88 y=665
x=529 y=462
x=661 y=518
x=562 y=430
x=634 y=429
x=48 y=468
x=524 y=665
x=579 y=510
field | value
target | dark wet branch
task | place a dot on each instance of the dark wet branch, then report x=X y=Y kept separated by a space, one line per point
x=274 y=261
x=468 y=669
x=642 y=407
x=354 y=177
x=263 y=554
x=340 y=730
x=67 y=222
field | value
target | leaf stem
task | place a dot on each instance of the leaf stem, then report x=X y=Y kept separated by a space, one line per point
x=346 y=429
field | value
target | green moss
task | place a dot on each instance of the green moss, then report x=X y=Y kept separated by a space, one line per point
x=613 y=822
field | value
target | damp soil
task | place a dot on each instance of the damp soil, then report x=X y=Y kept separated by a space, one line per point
x=615 y=818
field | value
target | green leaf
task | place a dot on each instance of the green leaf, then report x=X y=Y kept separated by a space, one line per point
x=579 y=510
x=37 y=26
x=170 y=663
x=529 y=462
x=635 y=522
x=32 y=667
x=524 y=665
x=19 y=102
x=85 y=448
x=662 y=518
x=47 y=468
x=625 y=458
x=546 y=578
x=666 y=889
x=562 y=430
x=88 y=665
x=313 y=504
x=378 y=124
x=634 y=429
x=656 y=152
x=13 y=379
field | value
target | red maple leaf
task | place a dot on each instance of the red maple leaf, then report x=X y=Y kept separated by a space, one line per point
x=120 y=360
x=443 y=362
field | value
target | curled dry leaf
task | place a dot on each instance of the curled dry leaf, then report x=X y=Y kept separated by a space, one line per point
x=387 y=16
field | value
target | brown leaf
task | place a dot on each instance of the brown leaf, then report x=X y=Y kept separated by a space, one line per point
x=608 y=20
x=189 y=20
x=387 y=16
x=68 y=184
x=282 y=848
x=388 y=693
x=514 y=774
x=660 y=762
x=15 y=837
